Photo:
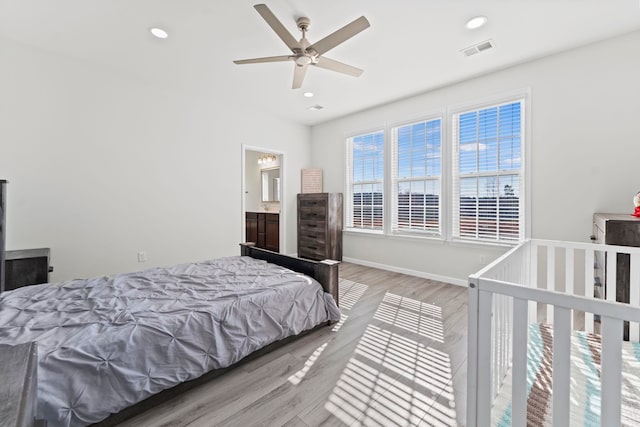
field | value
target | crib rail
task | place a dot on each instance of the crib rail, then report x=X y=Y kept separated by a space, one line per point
x=551 y=282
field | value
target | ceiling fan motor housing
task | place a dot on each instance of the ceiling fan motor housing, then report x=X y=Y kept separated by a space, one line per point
x=303 y=23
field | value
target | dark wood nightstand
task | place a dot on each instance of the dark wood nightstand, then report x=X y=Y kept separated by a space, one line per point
x=26 y=267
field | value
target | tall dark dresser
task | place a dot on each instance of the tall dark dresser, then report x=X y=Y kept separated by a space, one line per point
x=320 y=226
x=620 y=230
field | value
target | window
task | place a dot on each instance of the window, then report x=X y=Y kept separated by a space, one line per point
x=365 y=181
x=451 y=176
x=487 y=173
x=415 y=174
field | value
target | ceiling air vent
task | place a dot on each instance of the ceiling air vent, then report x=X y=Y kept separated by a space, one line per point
x=477 y=48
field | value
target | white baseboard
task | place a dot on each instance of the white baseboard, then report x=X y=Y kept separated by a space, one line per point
x=445 y=279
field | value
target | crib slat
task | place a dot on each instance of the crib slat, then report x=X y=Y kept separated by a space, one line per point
x=611 y=371
x=485 y=394
x=561 y=362
x=472 y=349
x=634 y=297
x=519 y=377
x=533 y=273
x=588 y=286
x=568 y=266
x=551 y=278
x=611 y=275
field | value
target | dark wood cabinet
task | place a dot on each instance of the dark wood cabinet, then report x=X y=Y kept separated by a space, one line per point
x=251 y=227
x=320 y=226
x=263 y=229
x=272 y=232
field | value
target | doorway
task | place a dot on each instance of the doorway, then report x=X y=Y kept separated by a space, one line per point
x=263 y=198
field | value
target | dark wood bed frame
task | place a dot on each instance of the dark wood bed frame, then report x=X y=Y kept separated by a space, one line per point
x=325 y=272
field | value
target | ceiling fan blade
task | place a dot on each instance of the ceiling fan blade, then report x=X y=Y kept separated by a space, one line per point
x=333 y=65
x=265 y=59
x=277 y=26
x=298 y=76
x=341 y=35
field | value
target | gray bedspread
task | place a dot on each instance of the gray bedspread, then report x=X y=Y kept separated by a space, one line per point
x=107 y=343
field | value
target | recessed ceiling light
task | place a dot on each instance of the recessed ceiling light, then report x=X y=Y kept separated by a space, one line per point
x=316 y=107
x=308 y=94
x=476 y=22
x=159 y=33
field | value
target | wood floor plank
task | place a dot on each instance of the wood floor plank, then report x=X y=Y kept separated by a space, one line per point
x=219 y=398
x=398 y=357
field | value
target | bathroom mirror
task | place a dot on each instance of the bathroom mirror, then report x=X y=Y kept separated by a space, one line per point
x=270 y=185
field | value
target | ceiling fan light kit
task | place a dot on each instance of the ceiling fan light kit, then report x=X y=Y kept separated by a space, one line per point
x=305 y=53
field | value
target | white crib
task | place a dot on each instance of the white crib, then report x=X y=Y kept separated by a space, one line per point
x=550 y=282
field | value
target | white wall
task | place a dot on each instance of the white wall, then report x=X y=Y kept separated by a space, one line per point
x=585 y=146
x=102 y=165
x=252 y=184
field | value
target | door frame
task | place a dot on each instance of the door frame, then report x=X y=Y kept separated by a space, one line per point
x=283 y=192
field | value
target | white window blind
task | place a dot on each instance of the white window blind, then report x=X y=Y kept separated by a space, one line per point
x=488 y=173
x=365 y=181
x=416 y=177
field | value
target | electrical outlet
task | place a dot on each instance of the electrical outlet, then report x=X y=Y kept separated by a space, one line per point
x=142 y=256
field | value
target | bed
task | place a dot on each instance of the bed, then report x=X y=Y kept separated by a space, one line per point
x=545 y=346
x=108 y=343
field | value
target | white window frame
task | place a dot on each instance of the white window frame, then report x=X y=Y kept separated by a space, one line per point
x=349 y=184
x=395 y=179
x=448 y=195
x=523 y=208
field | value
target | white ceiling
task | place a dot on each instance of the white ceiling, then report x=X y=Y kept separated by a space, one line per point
x=412 y=46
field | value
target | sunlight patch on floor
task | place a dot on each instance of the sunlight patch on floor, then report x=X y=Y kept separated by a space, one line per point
x=394 y=381
x=337 y=326
x=349 y=293
x=298 y=376
x=412 y=315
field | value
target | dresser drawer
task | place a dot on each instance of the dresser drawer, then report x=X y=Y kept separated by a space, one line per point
x=310 y=202
x=313 y=213
x=312 y=241
x=313 y=226
x=312 y=235
x=314 y=252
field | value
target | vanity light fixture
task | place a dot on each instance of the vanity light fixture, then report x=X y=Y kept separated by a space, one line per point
x=266 y=159
x=476 y=22
x=159 y=32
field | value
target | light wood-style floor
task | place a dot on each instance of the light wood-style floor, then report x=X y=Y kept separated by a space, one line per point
x=397 y=358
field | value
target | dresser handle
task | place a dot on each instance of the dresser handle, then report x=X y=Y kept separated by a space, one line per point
x=593 y=237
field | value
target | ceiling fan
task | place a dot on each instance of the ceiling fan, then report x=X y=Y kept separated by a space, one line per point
x=305 y=53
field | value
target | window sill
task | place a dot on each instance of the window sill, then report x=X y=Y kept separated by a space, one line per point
x=416 y=236
x=362 y=231
x=482 y=243
x=431 y=239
